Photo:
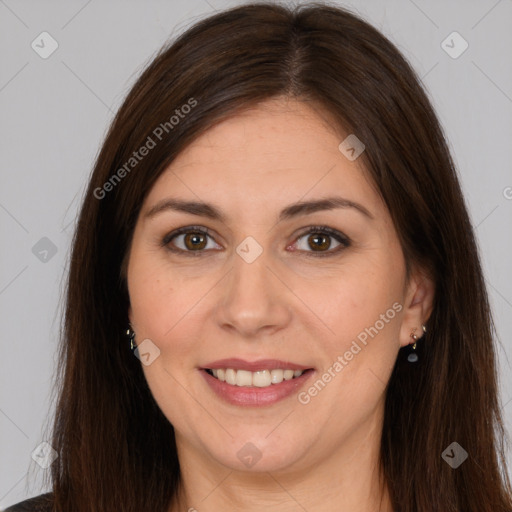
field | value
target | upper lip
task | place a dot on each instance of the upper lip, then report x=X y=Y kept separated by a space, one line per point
x=253 y=366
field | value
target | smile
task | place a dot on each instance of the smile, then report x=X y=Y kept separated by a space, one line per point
x=260 y=379
x=257 y=383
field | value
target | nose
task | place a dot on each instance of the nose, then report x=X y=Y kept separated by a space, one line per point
x=254 y=301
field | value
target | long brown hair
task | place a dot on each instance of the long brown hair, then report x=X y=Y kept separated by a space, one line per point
x=117 y=449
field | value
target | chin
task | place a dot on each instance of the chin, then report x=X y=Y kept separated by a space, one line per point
x=259 y=454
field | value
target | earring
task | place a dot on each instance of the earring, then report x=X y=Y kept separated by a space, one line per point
x=413 y=356
x=130 y=333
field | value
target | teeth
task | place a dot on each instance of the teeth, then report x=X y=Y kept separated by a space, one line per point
x=259 y=379
x=243 y=378
x=231 y=376
x=276 y=376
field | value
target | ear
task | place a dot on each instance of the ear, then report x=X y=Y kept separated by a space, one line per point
x=418 y=305
x=130 y=314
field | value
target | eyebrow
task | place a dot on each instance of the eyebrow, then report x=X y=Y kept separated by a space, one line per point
x=291 y=211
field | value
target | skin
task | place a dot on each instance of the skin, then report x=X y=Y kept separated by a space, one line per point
x=288 y=304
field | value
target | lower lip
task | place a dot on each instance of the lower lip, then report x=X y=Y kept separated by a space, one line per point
x=254 y=396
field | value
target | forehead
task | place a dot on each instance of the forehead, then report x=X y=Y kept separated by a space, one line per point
x=272 y=133
x=278 y=151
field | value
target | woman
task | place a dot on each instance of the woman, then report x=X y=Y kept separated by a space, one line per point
x=275 y=228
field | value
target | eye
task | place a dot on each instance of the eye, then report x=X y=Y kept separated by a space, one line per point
x=319 y=240
x=190 y=239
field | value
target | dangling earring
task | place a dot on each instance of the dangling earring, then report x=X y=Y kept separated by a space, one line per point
x=413 y=356
x=130 y=333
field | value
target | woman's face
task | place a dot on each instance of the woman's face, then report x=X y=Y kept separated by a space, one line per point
x=260 y=288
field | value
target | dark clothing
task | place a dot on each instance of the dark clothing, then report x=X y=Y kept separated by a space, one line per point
x=41 y=503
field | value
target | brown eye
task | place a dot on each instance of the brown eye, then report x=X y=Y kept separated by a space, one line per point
x=195 y=241
x=318 y=240
x=188 y=240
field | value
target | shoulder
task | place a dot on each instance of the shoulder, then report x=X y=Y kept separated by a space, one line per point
x=41 y=503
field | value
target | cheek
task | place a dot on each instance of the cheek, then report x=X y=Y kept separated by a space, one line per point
x=166 y=308
x=364 y=315
x=355 y=299
x=361 y=308
x=152 y=295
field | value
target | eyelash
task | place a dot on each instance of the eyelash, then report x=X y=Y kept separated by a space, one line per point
x=340 y=237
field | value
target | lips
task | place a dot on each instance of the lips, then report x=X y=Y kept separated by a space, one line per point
x=258 y=392
x=254 y=366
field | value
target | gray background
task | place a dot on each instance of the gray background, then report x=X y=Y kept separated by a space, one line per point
x=55 y=113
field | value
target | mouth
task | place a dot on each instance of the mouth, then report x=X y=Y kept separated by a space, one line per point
x=261 y=379
x=257 y=383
